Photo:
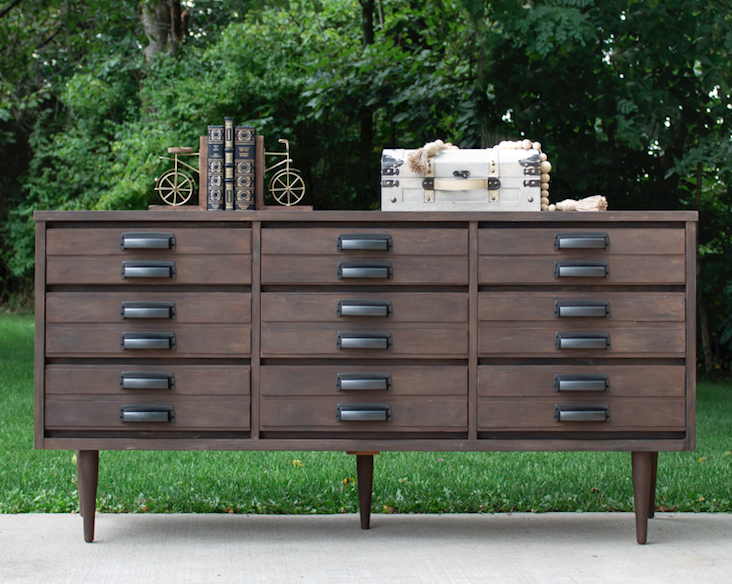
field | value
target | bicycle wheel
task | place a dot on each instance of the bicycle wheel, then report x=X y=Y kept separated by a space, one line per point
x=175 y=187
x=287 y=187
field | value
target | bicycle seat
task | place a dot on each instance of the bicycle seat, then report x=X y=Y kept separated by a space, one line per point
x=180 y=150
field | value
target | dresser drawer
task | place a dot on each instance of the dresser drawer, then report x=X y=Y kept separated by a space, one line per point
x=371 y=307
x=137 y=256
x=356 y=414
x=550 y=381
x=135 y=340
x=131 y=413
x=581 y=256
x=356 y=340
x=591 y=340
x=582 y=414
x=149 y=307
x=352 y=256
x=143 y=379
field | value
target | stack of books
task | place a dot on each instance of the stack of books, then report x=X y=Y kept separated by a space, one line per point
x=230 y=167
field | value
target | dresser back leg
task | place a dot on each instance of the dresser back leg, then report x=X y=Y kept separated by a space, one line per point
x=365 y=476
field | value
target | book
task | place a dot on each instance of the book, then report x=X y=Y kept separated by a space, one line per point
x=229 y=163
x=244 y=165
x=215 y=168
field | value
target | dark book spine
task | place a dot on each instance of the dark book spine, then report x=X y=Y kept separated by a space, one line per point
x=215 y=168
x=229 y=163
x=244 y=156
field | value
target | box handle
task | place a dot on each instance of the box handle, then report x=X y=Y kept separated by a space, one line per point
x=581 y=269
x=365 y=270
x=594 y=240
x=363 y=382
x=146 y=380
x=363 y=413
x=364 y=241
x=147 y=240
x=584 y=382
x=374 y=308
x=581 y=413
x=149 y=269
x=364 y=340
x=148 y=310
x=139 y=413
x=148 y=341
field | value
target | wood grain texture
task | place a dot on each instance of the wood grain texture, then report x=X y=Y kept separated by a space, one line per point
x=188 y=241
x=321 y=380
x=190 y=307
x=624 y=380
x=428 y=413
x=39 y=344
x=191 y=413
x=626 y=414
x=324 y=241
x=540 y=241
x=104 y=380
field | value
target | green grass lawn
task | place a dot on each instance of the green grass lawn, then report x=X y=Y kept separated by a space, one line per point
x=324 y=482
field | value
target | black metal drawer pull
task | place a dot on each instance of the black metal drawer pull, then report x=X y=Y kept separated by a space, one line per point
x=581 y=241
x=139 y=413
x=581 y=269
x=148 y=269
x=581 y=309
x=364 y=308
x=363 y=382
x=581 y=341
x=148 y=340
x=147 y=240
x=581 y=413
x=364 y=241
x=363 y=340
x=147 y=380
x=148 y=310
x=370 y=270
x=581 y=382
x=363 y=413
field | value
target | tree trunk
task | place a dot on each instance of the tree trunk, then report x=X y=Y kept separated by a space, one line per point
x=164 y=26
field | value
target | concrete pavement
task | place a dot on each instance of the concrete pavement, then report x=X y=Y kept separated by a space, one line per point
x=519 y=548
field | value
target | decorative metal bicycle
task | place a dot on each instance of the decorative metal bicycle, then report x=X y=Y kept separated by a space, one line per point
x=286 y=186
x=176 y=186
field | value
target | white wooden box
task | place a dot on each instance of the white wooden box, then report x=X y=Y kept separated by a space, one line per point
x=492 y=179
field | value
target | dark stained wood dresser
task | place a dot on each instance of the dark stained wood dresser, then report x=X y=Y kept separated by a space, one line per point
x=365 y=332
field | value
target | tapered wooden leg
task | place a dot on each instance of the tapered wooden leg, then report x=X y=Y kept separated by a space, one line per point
x=365 y=476
x=654 y=472
x=87 y=465
x=642 y=465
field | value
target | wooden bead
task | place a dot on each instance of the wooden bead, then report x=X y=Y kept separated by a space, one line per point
x=545 y=207
x=526 y=144
x=544 y=186
x=552 y=208
x=545 y=167
x=543 y=156
x=545 y=178
x=536 y=146
x=545 y=193
x=544 y=201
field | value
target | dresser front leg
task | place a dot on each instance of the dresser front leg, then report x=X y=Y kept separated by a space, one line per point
x=642 y=468
x=87 y=466
x=654 y=472
x=365 y=477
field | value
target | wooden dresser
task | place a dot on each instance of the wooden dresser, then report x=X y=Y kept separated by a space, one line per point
x=365 y=332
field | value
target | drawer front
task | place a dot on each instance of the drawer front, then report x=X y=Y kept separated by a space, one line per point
x=159 y=243
x=371 y=307
x=135 y=340
x=149 y=307
x=354 y=340
x=410 y=399
x=567 y=340
x=139 y=269
x=142 y=412
x=550 y=381
x=382 y=381
x=354 y=414
x=576 y=414
x=581 y=256
x=355 y=242
x=351 y=256
x=158 y=382
x=582 y=308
